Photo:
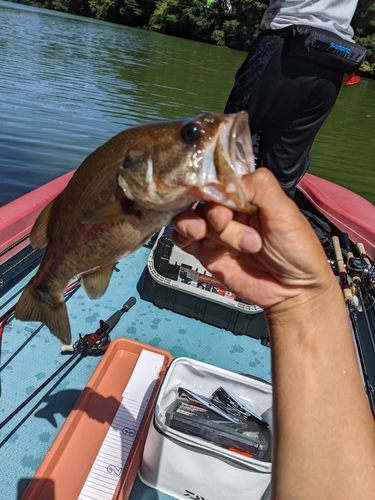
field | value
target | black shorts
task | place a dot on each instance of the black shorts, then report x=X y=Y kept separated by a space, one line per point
x=288 y=99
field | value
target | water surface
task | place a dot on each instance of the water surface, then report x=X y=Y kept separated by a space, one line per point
x=67 y=84
x=70 y=83
x=344 y=150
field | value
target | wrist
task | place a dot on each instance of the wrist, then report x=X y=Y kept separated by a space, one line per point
x=310 y=303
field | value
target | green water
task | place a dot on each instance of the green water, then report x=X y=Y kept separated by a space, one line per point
x=344 y=150
x=67 y=84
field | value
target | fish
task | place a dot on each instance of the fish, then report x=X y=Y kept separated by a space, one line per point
x=125 y=191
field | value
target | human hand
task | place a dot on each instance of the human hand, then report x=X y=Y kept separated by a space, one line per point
x=272 y=258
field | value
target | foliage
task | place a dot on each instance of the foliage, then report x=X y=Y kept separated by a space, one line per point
x=132 y=12
x=192 y=19
x=221 y=37
x=364 y=18
x=100 y=8
x=368 y=67
x=248 y=14
x=183 y=18
x=364 y=27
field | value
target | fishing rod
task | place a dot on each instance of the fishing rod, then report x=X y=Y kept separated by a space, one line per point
x=94 y=343
x=348 y=296
x=349 y=300
x=362 y=276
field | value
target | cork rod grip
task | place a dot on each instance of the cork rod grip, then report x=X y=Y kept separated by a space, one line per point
x=362 y=253
x=338 y=254
x=348 y=297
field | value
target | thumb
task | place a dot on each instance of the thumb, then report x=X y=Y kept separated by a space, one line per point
x=262 y=189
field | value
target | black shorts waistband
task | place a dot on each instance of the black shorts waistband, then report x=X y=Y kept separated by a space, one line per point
x=286 y=32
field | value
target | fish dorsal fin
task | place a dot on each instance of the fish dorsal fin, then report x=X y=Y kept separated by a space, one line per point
x=38 y=235
x=96 y=282
x=110 y=211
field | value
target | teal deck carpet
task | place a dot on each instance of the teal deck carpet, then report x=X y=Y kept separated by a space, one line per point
x=30 y=354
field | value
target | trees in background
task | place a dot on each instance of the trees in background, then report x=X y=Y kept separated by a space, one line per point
x=364 y=27
x=192 y=19
x=183 y=18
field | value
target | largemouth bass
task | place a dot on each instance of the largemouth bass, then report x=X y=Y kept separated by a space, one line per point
x=121 y=194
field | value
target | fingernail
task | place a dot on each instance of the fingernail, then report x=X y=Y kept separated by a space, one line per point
x=250 y=242
x=193 y=230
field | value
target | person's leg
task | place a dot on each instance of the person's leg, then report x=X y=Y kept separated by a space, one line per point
x=247 y=78
x=285 y=144
x=286 y=141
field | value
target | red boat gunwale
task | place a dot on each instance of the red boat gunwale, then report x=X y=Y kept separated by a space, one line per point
x=348 y=211
x=17 y=217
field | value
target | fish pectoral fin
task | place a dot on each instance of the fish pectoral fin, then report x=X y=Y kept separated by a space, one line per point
x=38 y=235
x=110 y=211
x=31 y=307
x=96 y=283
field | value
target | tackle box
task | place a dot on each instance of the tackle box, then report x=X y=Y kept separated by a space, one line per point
x=175 y=280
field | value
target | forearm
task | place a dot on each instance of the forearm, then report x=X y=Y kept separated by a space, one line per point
x=324 y=439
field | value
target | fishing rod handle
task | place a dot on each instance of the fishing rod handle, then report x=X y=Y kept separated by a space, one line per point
x=338 y=254
x=346 y=242
x=362 y=253
x=348 y=297
x=114 y=319
x=128 y=304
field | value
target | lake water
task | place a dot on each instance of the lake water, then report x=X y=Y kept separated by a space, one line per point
x=67 y=84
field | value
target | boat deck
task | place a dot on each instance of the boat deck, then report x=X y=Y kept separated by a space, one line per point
x=30 y=354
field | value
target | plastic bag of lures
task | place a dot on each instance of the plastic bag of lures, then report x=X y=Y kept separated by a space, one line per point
x=223 y=419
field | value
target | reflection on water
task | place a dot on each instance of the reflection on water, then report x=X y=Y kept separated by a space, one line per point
x=69 y=83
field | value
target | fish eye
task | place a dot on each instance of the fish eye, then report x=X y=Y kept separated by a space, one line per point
x=191 y=132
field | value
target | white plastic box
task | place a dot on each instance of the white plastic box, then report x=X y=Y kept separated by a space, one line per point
x=185 y=466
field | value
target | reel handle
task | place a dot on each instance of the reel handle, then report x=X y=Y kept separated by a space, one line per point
x=362 y=253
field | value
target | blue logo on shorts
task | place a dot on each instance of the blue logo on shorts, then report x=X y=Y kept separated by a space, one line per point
x=341 y=48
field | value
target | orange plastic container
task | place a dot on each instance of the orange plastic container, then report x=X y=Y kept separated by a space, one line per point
x=67 y=464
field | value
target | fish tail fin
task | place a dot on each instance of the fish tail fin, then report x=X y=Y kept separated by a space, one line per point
x=31 y=307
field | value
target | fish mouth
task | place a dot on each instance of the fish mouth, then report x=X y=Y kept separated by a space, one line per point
x=232 y=158
x=240 y=145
